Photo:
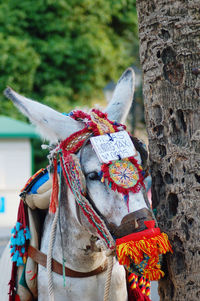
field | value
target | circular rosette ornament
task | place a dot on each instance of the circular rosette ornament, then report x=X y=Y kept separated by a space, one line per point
x=123 y=175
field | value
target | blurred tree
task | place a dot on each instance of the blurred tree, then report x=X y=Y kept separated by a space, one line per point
x=63 y=52
x=59 y=51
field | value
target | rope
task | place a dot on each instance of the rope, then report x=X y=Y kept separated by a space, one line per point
x=60 y=229
x=49 y=256
x=110 y=254
x=108 y=276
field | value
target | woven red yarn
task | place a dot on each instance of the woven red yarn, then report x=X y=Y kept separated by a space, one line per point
x=136 y=188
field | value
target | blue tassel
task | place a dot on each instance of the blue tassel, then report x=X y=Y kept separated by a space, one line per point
x=27 y=235
x=18 y=225
x=20 y=239
x=12 y=250
x=13 y=230
x=20 y=261
x=17 y=244
x=12 y=240
x=110 y=185
x=15 y=256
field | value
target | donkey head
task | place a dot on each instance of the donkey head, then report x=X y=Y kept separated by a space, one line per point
x=110 y=204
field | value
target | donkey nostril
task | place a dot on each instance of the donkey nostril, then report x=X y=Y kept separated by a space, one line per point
x=135 y=224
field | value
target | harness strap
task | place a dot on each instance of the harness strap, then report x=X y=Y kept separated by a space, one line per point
x=57 y=267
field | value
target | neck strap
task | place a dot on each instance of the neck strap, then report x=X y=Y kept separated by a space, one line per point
x=57 y=267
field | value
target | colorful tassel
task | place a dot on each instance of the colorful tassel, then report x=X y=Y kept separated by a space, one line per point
x=18 y=247
x=18 y=241
x=141 y=251
x=138 y=288
x=148 y=285
x=141 y=284
x=136 y=295
x=133 y=280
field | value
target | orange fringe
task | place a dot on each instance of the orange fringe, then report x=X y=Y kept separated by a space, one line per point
x=152 y=247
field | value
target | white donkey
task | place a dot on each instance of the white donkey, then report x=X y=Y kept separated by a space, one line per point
x=77 y=234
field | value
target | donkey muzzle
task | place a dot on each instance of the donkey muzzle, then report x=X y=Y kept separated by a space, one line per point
x=131 y=223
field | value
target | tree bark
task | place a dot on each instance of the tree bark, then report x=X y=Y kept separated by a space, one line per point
x=169 y=34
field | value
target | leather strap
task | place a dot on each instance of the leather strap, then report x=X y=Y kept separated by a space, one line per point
x=57 y=267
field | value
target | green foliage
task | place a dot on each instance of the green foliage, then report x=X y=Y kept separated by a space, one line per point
x=63 y=52
x=68 y=49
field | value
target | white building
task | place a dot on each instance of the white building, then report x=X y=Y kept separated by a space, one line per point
x=15 y=165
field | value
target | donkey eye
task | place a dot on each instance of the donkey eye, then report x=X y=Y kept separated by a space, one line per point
x=94 y=176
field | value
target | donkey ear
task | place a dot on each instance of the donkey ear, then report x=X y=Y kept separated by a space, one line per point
x=51 y=124
x=120 y=104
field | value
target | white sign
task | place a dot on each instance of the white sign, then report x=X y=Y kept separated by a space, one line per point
x=110 y=147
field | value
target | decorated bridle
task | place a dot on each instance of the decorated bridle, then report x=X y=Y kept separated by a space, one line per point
x=137 y=251
x=123 y=175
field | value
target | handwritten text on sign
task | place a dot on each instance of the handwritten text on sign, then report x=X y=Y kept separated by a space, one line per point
x=113 y=146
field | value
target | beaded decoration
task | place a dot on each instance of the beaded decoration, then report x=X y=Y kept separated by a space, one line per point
x=123 y=175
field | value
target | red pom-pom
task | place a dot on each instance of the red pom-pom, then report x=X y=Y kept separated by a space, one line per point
x=149 y=224
x=136 y=295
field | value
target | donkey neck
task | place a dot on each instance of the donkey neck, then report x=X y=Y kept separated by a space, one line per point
x=75 y=239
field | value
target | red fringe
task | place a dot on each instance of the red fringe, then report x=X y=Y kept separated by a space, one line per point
x=136 y=188
x=78 y=114
x=135 y=295
x=55 y=189
x=12 y=283
x=145 y=234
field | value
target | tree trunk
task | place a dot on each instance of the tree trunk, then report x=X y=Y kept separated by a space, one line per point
x=170 y=56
